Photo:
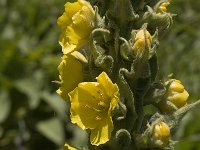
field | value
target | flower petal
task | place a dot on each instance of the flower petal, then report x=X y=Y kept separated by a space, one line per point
x=63 y=21
x=72 y=8
x=76 y=25
x=70 y=70
x=84 y=101
x=106 y=83
x=179 y=99
x=176 y=86
x=68 y=147
x=91 y=107
x=79 y=56
x=113 y=104
x=102 y=133
x=81 y=23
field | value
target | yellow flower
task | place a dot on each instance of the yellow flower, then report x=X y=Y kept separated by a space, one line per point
x=139 y=45
x=71 y=73
x=92 y=104
x=68 y=147
x=76 y=25
x=176 y=94
x=161 y=134
x=163 y=7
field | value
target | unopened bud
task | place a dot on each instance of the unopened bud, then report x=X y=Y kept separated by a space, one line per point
x=163 y=7
x=140 y=42
x=176 y=94
x=161 y=134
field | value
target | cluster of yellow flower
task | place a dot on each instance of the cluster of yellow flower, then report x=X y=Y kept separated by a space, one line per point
x=93 y=103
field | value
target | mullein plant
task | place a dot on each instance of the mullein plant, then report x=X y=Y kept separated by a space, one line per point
x=108 y=74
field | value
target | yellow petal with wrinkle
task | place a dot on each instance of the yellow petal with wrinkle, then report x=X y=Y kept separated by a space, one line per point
x=107 y=85
x=92 y=104
x=70 y=70
x=102 y=133
x=72 y=8
x=179 y=99
x=76 y=24
x=176 y=86
x=176 y=94
x=113 y=104
x=63 y=21
x=80 y=24
x=83 y=105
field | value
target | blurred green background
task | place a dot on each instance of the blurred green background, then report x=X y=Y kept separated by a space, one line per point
x=32 y=116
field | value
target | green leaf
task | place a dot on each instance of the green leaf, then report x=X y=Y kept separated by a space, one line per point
x=31 y=86
x=127 y=95
x=28 y=87
x=57 y=104
x=5 y=105
x=122 y=13
x=153 y=66
x=52 y=129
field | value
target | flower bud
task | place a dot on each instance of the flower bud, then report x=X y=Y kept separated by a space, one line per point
x=161 y=134
x=139 y=45
x=176 y=94
x=163 y=7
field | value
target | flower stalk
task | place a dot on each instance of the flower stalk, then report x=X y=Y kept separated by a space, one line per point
x=108 y=74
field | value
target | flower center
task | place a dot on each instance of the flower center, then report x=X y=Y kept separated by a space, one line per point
x=101 y=106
